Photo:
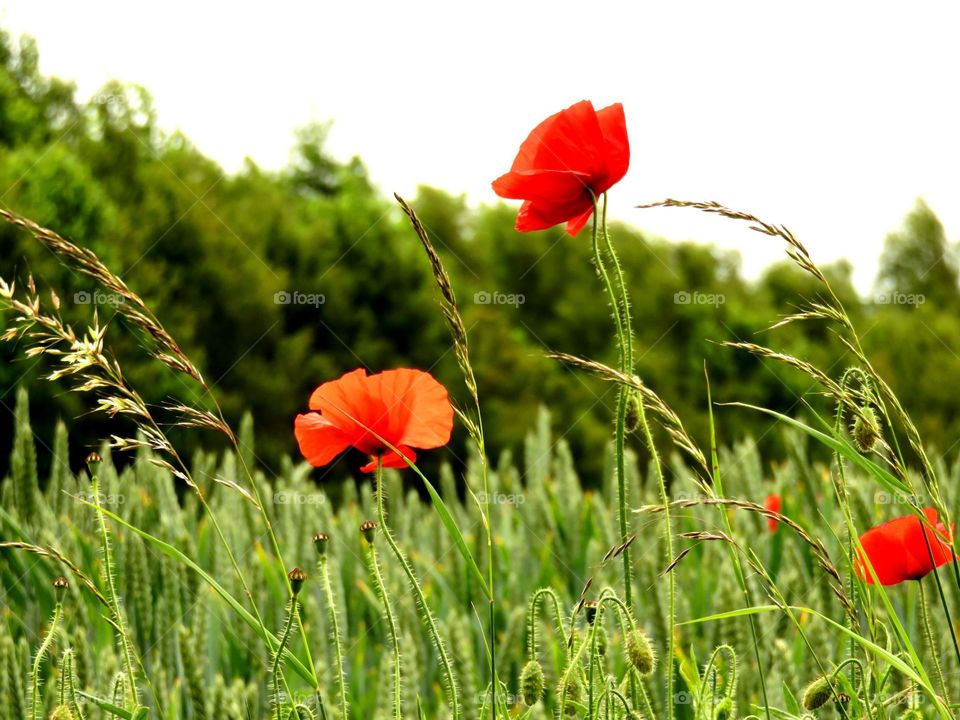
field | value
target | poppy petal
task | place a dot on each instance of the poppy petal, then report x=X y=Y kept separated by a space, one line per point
x=566 y=161
x=616 y=152
x=543 y=215
x=320 y=440
x=569 y=140
x=575 y=225
x=898 y=551
x=429 y=415
x=390 y=459
x=403 y=408
x=554 y=186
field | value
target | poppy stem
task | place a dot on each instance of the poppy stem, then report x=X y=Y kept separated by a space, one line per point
x=334 y=633
x=931 y=642
x=621 y=406
x=421 y=602
x=381 y=590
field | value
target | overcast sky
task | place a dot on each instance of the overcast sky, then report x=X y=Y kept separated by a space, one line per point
x=830 y=118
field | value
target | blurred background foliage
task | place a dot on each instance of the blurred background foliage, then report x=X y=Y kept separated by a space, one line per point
x=213 y=253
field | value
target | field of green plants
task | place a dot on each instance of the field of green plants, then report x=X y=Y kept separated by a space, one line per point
x=195 y=658
x=696 y=581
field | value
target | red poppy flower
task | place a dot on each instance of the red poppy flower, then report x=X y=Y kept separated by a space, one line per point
x=569 y=155
x=407 y=408
x=897 y=549
x=772 y=503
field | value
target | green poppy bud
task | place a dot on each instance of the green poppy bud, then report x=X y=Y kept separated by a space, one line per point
x=817 y=693
x=320 y=542
x=866 y=429
x=368 y=529
x=531 y=683
x=724 y=710
x=639 y=652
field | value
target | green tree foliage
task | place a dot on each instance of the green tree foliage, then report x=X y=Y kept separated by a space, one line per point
x=917 y=261
x=276 y=281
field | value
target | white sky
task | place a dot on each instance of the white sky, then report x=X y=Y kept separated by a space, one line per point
x=828 y=117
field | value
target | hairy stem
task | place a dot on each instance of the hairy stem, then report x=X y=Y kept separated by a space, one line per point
x=421 y=603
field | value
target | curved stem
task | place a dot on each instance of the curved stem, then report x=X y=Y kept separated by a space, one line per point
x=278 y=656
x=44 y=647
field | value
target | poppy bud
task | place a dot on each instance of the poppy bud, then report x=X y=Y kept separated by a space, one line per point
x=912 y=714
x=531 y=683
x=61 y=712
x=724 y=710
x=296 y=578
x=866 y=429
x=60 y=585
x=602 y=641
x=320 y=541
x=368 y=529
x=94 y=459
x=632 y=421
x=574 y=692
x=817 y=694
x=639 y=652
x=590 y=608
